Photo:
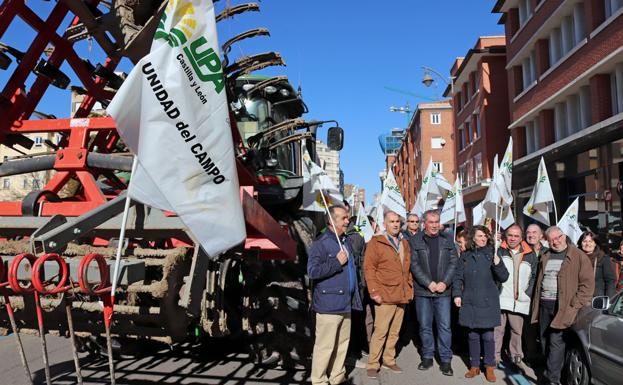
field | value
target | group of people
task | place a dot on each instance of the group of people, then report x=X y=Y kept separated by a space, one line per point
x=531 y=283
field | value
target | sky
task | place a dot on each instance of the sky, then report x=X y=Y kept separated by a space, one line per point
x=343 y=54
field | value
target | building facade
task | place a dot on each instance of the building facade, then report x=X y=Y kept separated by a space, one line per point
x=429 y=135
x=16 y=187
x=360 y=195
x=481 y=116
x=565 y=79
x=330 y=162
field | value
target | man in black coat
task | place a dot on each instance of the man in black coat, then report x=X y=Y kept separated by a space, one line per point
x=433 y=264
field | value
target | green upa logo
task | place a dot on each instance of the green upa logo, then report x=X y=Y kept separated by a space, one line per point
x=205 y=62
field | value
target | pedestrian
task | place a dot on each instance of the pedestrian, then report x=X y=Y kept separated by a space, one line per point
x=605 y=281
x=461 y=241
x=475 y=292
x=535 y=238
x=516 y=292
x=358 y=341
x=413 y=226
x=532 y=352
x=390 y=286
x=433 y=264
x=564 y=285
x=331 y=266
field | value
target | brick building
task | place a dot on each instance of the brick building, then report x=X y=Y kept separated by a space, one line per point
x=430 y=134
x=481 y=116
x=565 y=79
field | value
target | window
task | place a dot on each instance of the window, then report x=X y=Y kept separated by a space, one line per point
x=38 y=141
x=528 y=70
x=461 y=138
x=579 y=29
x=463 y=174
x=435 y=118
x=532 y=136
x=525 y=11
x=477 y=129
x=560 y=120
x=616 y=87
x=438 y=167
x=573 y=114
x=476 y=83
x=612 y=6
x=6 y=183
x=478 y=167
x=468 y=134
x=586 y=117
x=555 y=46
x=437 y=142
x=471 y=175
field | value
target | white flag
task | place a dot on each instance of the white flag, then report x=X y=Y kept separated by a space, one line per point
x=504 y=180
x=315 y=180
x=351 y=197
x=569 y=222
x=542 y=198
x=454 y=209
x=364 y=225
x=172 y=112
x=391 y=198
x=492 y=198
x=479 y=214
x=431 y=190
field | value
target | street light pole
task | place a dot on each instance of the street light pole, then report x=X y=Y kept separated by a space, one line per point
x=428 y=79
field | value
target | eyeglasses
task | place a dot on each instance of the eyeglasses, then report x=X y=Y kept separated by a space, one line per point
x=414 y=221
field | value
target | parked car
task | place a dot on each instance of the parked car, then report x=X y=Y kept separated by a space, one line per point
x=595 y=355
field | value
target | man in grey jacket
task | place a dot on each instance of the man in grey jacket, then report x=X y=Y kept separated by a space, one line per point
x=433 y=264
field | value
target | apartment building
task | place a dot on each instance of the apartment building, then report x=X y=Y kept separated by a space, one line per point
x=429 y=135
x=481 y=116
x=565 y=83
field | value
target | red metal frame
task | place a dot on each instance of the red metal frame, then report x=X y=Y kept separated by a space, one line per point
x=17 y=104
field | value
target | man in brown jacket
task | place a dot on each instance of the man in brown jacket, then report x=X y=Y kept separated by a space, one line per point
x=564 y=285
x=390 y=284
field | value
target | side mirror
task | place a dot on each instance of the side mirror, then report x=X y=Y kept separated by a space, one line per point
x=601 y=302
x=335 y=138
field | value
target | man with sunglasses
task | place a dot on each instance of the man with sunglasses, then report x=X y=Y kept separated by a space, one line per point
x=413 y=226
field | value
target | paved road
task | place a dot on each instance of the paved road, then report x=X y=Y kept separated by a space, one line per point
x=195 y=365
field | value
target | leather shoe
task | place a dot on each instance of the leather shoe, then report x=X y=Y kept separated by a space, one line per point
x=472 y=372
x=426 y=364
x=394 y=368
x=372 y=373
x=489 y=374
x=446 y=369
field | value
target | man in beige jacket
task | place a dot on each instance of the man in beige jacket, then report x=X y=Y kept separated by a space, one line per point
x=390 y=284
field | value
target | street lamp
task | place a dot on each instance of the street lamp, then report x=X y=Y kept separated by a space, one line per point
x=428 y=79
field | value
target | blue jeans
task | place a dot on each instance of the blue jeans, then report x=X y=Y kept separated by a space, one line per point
x=437 y=308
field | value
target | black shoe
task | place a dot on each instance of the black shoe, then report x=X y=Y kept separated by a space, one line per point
x=426 y=364
x=446 y=369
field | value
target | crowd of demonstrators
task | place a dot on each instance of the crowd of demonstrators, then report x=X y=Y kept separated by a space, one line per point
x=532 y=286
x=475 y=291
x=390 y=285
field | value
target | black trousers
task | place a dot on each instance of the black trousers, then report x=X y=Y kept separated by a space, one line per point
x=552 y=341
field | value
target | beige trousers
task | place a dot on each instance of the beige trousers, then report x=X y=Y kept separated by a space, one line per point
x=387 y=323
x=330 y=347
x=515 y=320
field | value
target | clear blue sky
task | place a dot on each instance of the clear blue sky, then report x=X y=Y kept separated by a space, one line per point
x=343 y=53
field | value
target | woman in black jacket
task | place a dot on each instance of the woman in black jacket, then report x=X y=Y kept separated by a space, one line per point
x=475 y=291
x=605 y=280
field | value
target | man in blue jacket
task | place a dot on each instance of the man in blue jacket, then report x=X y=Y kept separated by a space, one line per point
x=331 y=266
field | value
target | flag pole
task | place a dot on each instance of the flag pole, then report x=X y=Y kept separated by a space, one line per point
x=326 y=208
x=109 y=304
x=555 y=212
